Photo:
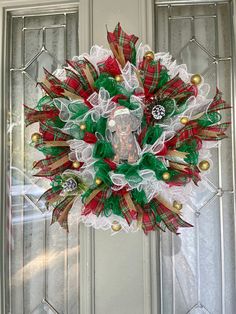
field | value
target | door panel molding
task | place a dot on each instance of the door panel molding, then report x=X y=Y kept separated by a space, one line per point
x=146 y=19
x=150 y=242
x=233 y=36
x=85 y=25
x=87 y=301
x=3 y=156
x=151 y=271
x=87 y=243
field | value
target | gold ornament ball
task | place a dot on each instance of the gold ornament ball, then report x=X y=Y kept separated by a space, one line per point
x=82 y=127
x=98 y=181
x=204 y=165
x=196 y=79
x=184 y=120
x=35 y=137
x=166 y=176
x=119 y=78
x=149 y=55
x=76 y=164
x=177 y=205
x=116 y=226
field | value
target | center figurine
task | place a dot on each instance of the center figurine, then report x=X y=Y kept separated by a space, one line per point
x=122 y=125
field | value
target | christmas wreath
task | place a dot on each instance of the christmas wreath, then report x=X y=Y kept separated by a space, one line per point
x=126 y=132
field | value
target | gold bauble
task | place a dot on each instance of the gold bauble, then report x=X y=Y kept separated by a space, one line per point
x=177 y=205
x=184 y=120
x=35 y=137
x=116 y=226
x=76 y=164
x=196 y=79
x=204 y=165
x=166 y=176
x=149 y=55
x=119 y=78
x=82 y=126
x=98 y=181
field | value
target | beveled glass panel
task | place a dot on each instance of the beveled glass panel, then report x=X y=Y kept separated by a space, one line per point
x=43 y=259
x=197 y=267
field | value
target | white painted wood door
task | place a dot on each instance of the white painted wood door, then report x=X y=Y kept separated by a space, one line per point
x=89 y=272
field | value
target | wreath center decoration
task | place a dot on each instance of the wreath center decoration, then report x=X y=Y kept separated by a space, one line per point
x=126 y=131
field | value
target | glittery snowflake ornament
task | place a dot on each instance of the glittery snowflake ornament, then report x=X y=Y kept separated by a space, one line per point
x=158 y=112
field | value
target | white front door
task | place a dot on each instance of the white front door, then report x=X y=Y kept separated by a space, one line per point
x=89 y=272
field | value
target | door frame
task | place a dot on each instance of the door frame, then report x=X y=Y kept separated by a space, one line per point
x=151 y=265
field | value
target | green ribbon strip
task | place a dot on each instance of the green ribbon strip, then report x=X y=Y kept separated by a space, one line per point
x=109 y=83
x=148 y=161
x=164 y=78
x=77 y=110
x=139 y=197
x=190 y=147
x=103 y=149
x=152 y=134
x=209 y=118
x=102 y=170
x=45 y=100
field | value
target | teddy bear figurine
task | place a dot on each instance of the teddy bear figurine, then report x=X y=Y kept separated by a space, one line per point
x=122 y=124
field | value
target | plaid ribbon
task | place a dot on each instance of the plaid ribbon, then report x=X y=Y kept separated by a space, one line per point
x=80 y=65
x=184 y=172
x=48 y=90
x=83 y=79
x=61 y=211
x=50 y=196
x=151 y=72
x=47 y=172
x=214 y=133
x=51 y=78
x=42 y=144
x=110 y=66
x=46 y=165
x=122 y=45
x=193 y=130
x=190 y=130
x=58 y=86
x=169 y=218
x=32 y=115
x=54 y=89
x=148 y=218
x=77 y=83
x=218 y=103
x=176 y=89
x=125 y=208
x=96 y=201
x=154 y=215
x=149 y=222
x=52 y=134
